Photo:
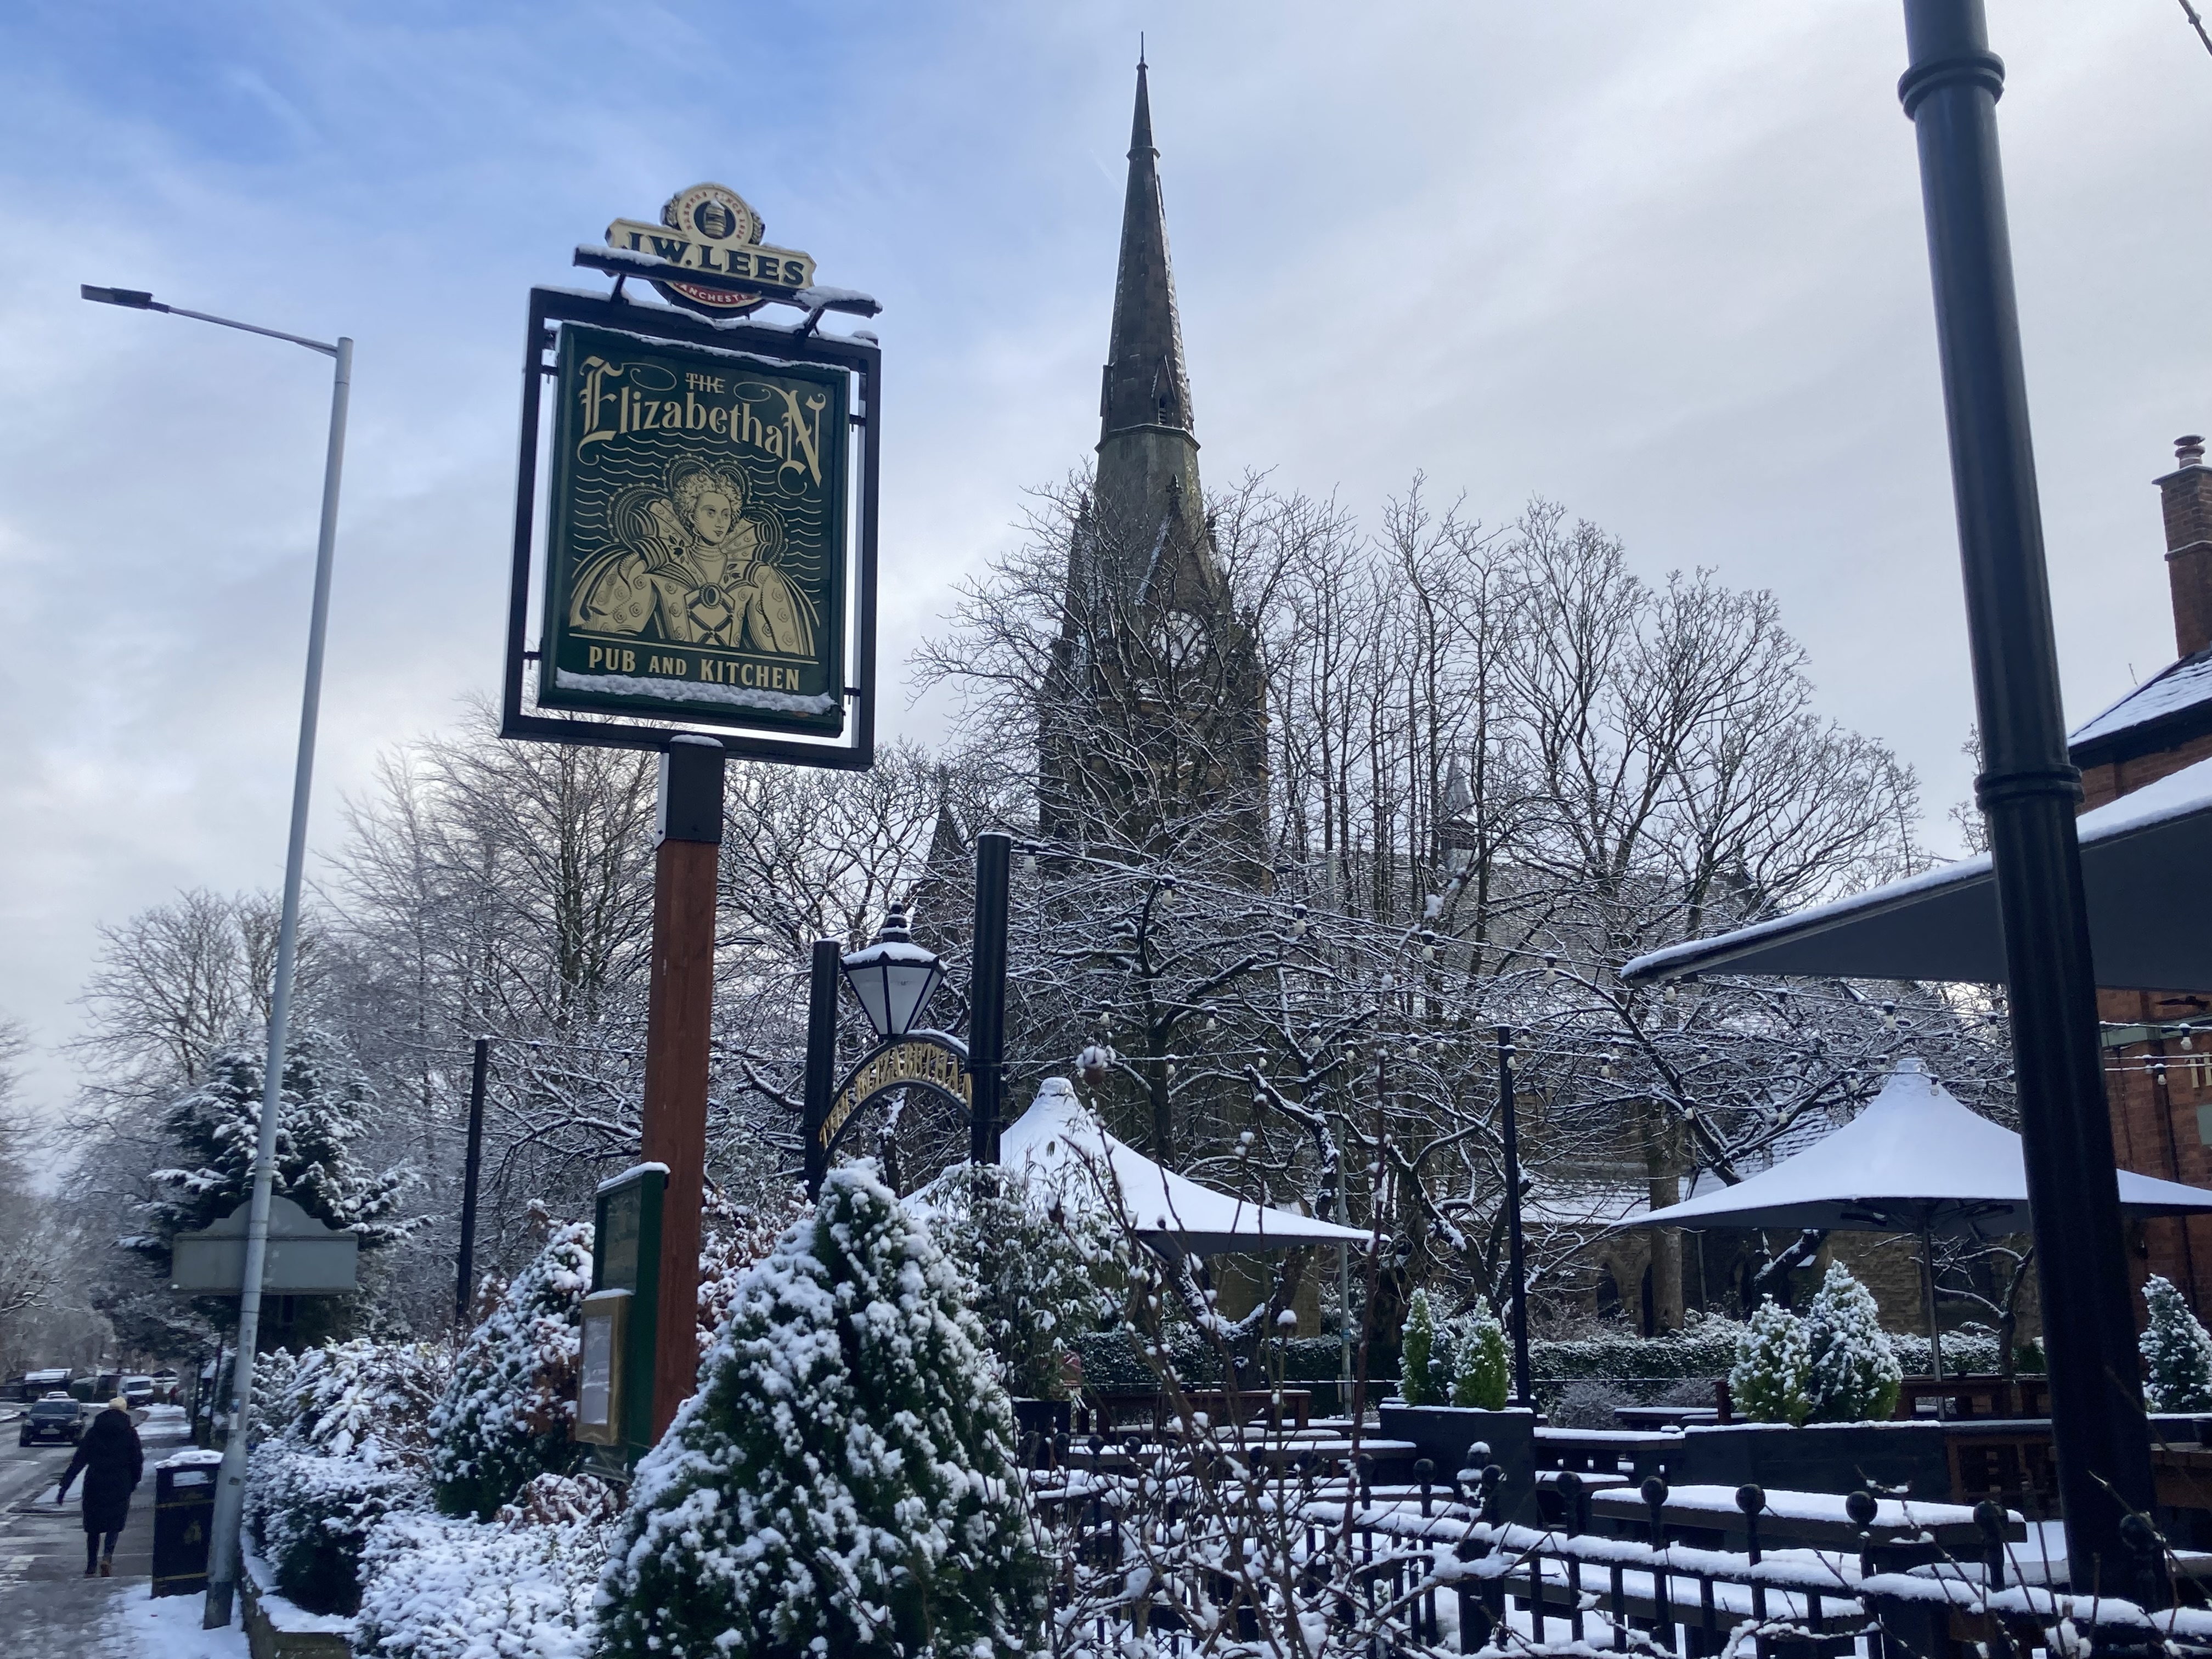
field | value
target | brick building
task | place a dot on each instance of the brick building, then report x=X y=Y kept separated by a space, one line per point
x=2158 y=1044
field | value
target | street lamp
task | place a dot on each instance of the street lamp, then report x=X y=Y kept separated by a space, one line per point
x=894 y=978
x=230 y=1489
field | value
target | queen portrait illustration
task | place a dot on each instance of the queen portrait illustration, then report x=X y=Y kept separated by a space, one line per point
x=693 y=566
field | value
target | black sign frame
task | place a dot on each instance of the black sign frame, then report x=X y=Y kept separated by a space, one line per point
x=797 y=344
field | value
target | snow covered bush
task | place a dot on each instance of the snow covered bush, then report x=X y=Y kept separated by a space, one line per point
x=1773 y=1363
x=440 y=1588
x=843 y=1482
x=1481 y=1369
x=732 y=1238
x=1043 y=1271
x=310 y=1515
x=2177 y=1353
x=1854 y=1376
x=1416 y=1347
x=348 y=1445
x=505 y=1416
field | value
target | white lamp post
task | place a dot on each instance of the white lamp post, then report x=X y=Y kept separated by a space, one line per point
x=230 y=1487
x=894 y=978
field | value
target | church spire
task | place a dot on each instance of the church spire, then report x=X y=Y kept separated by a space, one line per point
x=1146 y=384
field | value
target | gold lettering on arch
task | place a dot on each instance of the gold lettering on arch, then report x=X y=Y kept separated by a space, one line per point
x=912 y=1063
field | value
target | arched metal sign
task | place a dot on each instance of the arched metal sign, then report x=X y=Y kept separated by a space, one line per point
x=933 y=1062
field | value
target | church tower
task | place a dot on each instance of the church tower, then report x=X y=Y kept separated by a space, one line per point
x=1153 y=734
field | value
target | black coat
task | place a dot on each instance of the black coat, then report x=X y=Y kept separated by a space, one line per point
x=110 y=1457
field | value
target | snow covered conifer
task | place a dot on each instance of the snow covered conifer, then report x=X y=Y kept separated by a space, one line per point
x=504 y=1418
x=1414 y=1349
x=843 y=1482
x=1480 y=1367
x=1855 y=1374
x=1773 y=1363
x=215 y=1126
x=2177 y=1353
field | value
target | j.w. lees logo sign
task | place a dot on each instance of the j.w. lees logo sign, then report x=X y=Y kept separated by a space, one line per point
x=712 y=229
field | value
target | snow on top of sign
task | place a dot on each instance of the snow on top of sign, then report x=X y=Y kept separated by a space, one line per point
x=2182 y=685
x=652 y=264
x=648 y=1168
x=735 y=696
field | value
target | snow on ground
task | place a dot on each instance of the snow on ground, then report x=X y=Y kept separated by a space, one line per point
x=140 y=1626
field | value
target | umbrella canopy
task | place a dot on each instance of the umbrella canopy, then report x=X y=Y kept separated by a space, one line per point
x=1914 y=1158
x=1061 y=1147
x=2150 y=910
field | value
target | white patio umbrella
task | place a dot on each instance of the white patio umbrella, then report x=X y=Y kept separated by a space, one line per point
x=1915 y=1161
x=1063 y=1148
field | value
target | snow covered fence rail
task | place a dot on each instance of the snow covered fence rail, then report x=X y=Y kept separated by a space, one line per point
x=1434 y=1572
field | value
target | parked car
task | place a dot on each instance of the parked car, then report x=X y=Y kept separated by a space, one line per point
x=57 y=1416
x=138 y=1390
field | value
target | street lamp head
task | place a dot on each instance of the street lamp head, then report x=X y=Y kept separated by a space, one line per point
x=136 y=299
x=894 y=978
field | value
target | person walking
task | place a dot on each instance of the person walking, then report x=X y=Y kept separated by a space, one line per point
x=112 y=1461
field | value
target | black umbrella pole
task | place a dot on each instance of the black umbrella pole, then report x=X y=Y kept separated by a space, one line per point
x=1516 y=1267
x=2028 y=791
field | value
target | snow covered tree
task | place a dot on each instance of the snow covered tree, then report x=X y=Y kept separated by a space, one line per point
x=843 y=1480
x=505 y=1417
x=1481 y=1369
x=214 y=1127
x=1415 y=1349
x=2176 y=1351
x=1773 y=1364
x=1044 y=1272
x=1855 y=1375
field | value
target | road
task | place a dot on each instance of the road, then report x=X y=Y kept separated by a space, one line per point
x=48 y=1608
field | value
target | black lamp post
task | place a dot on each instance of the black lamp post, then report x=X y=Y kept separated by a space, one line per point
x=2028 y=791
x=894 y=978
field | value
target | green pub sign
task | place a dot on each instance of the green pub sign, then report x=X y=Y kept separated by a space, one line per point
x=696 y=550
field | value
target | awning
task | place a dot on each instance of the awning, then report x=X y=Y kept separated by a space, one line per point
x=2143 y=859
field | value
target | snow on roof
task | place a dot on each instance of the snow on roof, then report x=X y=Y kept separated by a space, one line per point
x=1060 y=1142
x=2184 y=685
x=2184 y=794
x=1914 y=1150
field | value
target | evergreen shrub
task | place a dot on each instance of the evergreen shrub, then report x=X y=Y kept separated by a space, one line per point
x=505 y=1417
x=1481 y=1367
x=1855 y=1375
x=1415 y=1348
x=2176 y=1351
x=844 y=1482
x=1773 y=1366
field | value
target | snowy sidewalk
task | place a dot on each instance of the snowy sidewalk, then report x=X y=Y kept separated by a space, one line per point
x=137 y=1627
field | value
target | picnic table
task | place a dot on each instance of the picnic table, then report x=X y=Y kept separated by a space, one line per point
x=1904 y=1534
x=1971 y=1395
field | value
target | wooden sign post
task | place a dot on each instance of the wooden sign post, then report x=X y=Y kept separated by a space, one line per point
x=679 y=1022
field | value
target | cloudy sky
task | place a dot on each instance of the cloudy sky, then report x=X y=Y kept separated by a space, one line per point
x=1663 y=263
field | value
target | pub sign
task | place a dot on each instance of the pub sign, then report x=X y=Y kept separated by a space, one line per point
x=695 y=560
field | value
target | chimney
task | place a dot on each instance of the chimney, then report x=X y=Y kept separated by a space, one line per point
x=2187 y=495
